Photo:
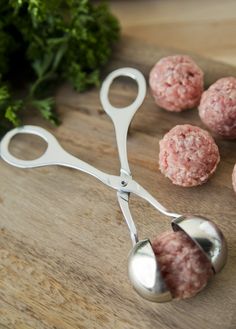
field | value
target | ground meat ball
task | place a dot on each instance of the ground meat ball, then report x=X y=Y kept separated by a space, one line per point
x=176 y=83
x=184 y=267
x=217 y=108
x=234 y=178
x=188 y=155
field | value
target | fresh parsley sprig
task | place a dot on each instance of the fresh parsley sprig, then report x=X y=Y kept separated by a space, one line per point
x=44 y=42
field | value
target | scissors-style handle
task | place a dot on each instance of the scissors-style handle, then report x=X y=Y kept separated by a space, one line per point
x=54 y=155
x=50 y=156
x=122 y=117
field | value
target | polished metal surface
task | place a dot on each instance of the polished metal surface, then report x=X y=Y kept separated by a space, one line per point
x=123 y=199
x=143 y=266
x=145 y=275
x=54 y=155
x=124 y=184
x=207 y=236
x=121 y=117
x=133 y=187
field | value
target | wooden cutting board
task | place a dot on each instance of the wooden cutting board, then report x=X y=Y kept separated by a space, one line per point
x=64 y=243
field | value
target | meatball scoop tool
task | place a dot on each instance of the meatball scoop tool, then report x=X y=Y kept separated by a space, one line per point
x=143 y=268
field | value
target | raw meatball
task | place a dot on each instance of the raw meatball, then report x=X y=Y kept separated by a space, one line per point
x=184 y=267
x=188 y=155
x=217 y=108
x=234 y=178
x=176 y=83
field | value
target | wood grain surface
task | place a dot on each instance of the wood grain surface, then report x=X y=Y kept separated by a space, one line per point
x=63 y=241
x=206 y=27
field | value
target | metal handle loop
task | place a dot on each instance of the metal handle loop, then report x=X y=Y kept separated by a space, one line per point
x=49 y=156
x=122 y=117
x=132 y=73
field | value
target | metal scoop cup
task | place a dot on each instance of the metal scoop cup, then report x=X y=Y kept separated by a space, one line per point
x=143 y=268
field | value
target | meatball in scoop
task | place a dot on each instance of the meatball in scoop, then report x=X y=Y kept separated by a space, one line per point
x=184 y=267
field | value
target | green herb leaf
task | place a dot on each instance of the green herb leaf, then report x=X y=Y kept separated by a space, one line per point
x=9 y=110
x=46 y=42
x=11 y=113
x=4 y=94
x=45 y=107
